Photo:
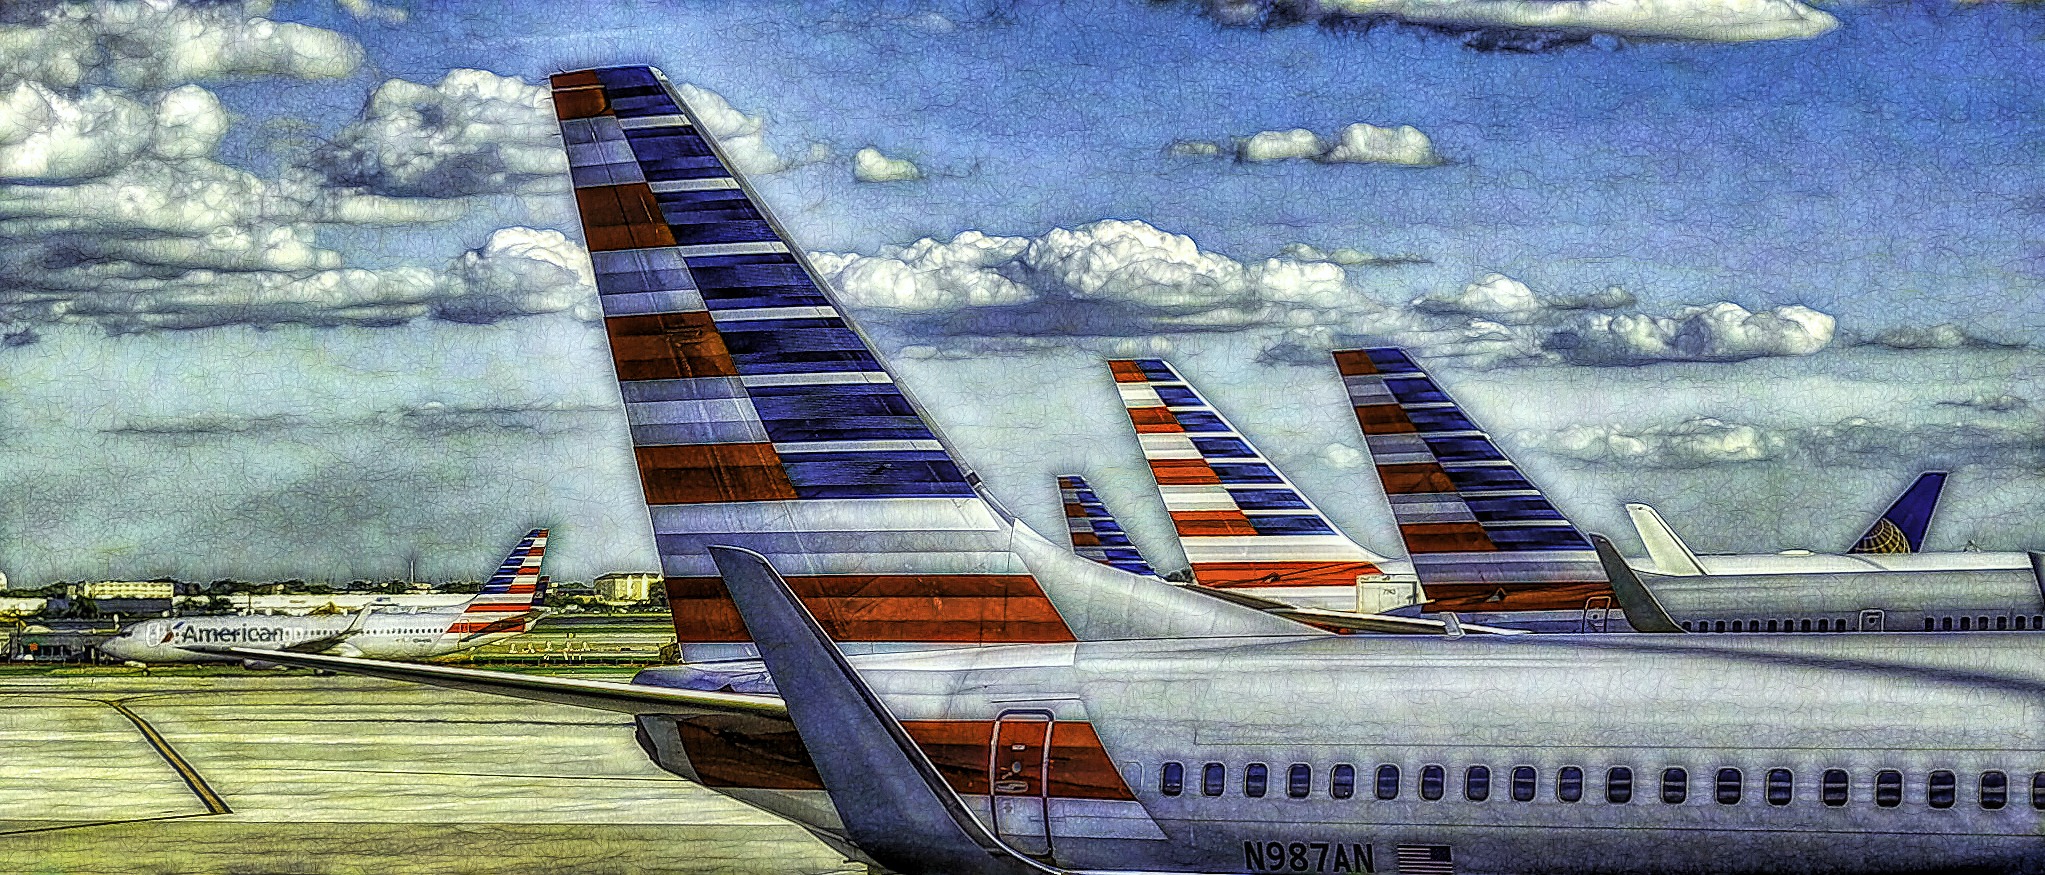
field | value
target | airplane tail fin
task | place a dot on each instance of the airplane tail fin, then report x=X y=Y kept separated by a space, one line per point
x=506 y=602
x=761 y=418
x=1243 y=524
x=1482 y=537
x=1670 y=555
x=1095 y=534
x=1901 y=528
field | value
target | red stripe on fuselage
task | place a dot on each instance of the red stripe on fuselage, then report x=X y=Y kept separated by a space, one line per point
x=935 y=608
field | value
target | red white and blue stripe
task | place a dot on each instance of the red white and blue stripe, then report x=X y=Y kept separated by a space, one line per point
x=1242 y=523
x=1095 y=534
x=505 y=604
x=1481 y=536
x=759 y=416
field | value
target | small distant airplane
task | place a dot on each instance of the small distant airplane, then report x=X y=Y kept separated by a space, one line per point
x=506 y=606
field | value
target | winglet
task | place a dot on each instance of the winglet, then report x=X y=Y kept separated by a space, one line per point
x=1671 y=556
x=1901 y=528
x=895 y=805
x=1643 y=611
x=2038 y=569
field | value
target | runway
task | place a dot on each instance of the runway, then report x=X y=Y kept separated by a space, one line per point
x=272 y=772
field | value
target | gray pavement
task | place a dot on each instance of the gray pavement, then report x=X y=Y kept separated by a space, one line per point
x=335 y=774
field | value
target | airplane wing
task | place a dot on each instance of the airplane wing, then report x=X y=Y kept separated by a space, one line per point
x=601 y=695
x=1347 y=621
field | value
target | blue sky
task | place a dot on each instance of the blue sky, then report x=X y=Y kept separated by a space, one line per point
x=1884 y=174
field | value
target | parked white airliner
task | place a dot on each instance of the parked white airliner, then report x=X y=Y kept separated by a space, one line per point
x=964 y=697
x=506 y=606
x=1483 y=538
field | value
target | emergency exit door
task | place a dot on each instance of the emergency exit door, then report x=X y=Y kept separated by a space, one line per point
x=1019 y=780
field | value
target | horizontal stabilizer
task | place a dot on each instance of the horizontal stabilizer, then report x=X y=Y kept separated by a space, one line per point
x=894 y=803
x=1643 y=611
x=1665 y=548
x=601 y=695
x=1347 y=621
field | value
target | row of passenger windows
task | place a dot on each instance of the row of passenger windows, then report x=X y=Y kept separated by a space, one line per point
x=1727 y=786
x=1931 y=624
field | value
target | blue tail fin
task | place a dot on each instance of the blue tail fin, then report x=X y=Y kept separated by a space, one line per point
x=1095 y=534
x=1901 y=528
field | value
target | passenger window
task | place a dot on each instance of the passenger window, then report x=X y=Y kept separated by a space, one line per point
x=1433 y=781
x=1772 y=626
x=1171 y=780
x=1888 y=788
x=1781 y=786
x=1941 y=789
x=1255 y=776
x=1727 y=789
x=1982 y=625
x=1718 y=626
x=2038 y=791
x=1928 y=622
x=1945 y=624
x=1213 y=778
x=1836 y=787
x=1569 y=784
x=1994 y=788
x=1675 y=786
x=2001 y=624
x=1523 y=783
x=1963 y=623
x=1807 y=625
x=1477 y=785
x=1388 y=782
x=1619 y=785
x=1299 y=781
x=2019 y=625
x=1342 y=781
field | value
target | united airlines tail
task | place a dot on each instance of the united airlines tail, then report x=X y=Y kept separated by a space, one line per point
x=508 y=603
x=1243 y=524
x=1901 y=528
x=1481 y=536
x=762 y=419
x=1095 y=534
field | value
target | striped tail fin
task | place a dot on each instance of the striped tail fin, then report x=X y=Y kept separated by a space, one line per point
x=1243 y=524
x=505 y=603
x=1095 y=534
x=761 y=419
x=1481 y=536
x=1901 y=528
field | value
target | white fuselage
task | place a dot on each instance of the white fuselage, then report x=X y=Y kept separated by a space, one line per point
x=1918 y=592
x=1570 y=709
x=385 y=634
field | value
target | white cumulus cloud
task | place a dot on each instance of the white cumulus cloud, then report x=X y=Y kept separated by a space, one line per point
x=473 y=132
x=1717 y=332
x=161 y=43
x=1369 y=144
x=869 y=165
x=1537 y=23
x=48 y=136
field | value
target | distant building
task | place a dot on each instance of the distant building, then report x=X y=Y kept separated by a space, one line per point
x=125 y=589
x=22 y=607
x=626 y=588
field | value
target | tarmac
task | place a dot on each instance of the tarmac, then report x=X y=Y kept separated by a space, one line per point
x=273 y=772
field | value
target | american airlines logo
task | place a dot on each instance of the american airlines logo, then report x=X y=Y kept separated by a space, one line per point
x=228 y=634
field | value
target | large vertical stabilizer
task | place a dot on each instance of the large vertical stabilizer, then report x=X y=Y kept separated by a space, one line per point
x=1242 y=523
x=1481 y=536
x=762 y=420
